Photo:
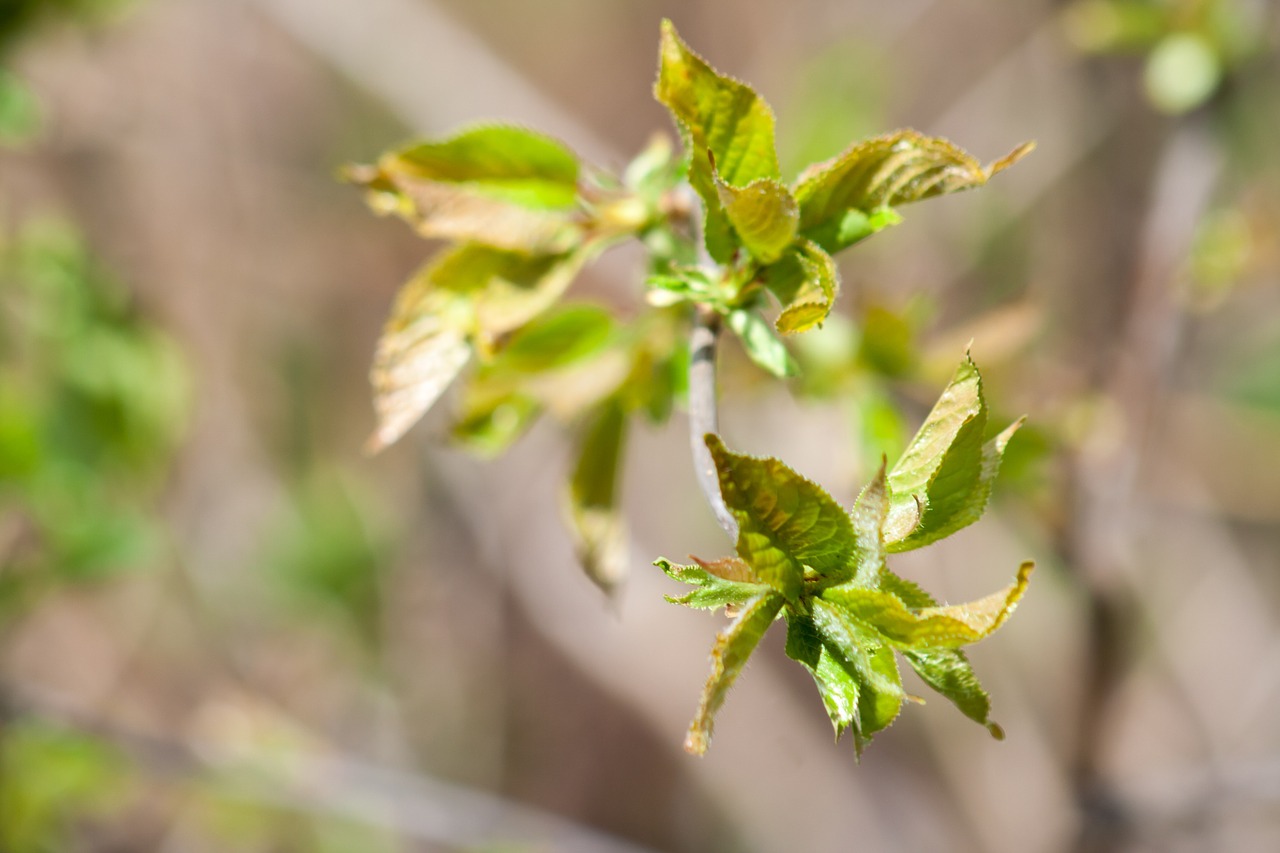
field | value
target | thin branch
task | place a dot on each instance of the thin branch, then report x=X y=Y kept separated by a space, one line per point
x=703 y=418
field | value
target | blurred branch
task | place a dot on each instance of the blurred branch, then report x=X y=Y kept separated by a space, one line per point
x=431 y=72
x=414 y=805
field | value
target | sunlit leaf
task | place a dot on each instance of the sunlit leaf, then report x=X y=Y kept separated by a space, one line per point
x=785 y=522
x=840 y=199
x=868 y=517
x=805 y=282
x=948 y=672
x=944 y=478
x=836 y=686
x=555 y=339
x=727 y=129
x=761 y=343
x=764 y=216
x=733 y=647
x=490 y=425
x=597 y=526
x=725 y=583
x=870 y=663
x=496 y=185
x=468 y=293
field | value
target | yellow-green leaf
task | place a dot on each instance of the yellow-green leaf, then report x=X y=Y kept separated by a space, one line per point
x=785 y=522
x=870 y=663
x=930 y=627
x=763 y=214
x=727 y=129
x=497 y=185
x=724 y=583
x=944 y=478
x=880 y=173
x=805 y=282
x=466 y=296
x=733 y=647
x=599 y=532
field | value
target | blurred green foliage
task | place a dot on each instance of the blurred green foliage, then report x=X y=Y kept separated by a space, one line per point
x=1189 y=46
x=54 y=778
x=93 y=400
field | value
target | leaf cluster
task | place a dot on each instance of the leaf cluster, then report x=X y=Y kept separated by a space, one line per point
x=523 y=215
x=803 y=558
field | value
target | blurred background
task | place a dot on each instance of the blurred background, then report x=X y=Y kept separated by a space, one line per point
x=222 y=628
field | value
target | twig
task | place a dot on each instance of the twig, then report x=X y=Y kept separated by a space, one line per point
x=702 y=412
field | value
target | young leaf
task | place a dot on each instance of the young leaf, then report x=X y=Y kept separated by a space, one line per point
x=500 y=186
x=761 y=344
x=870 y=664
x=945 y=475
x=945 y=670
x=836 y=686
x=868 y=516
x=716 y=587
x=422 y=349
x=726 y=126
x=491 y=424
x=785 y=521
x=733 y=647
x=805 y=281
x=721 y=115
x=557 y=338
x=470 y=292
x=597 y=527
x=948 y=671
x=763 y=214
x=837 y=195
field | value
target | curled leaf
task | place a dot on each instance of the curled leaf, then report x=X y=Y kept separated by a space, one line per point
x=733 y=647
x=880 y=173
x=805 y=282
x=763 y=214
x=724 y=583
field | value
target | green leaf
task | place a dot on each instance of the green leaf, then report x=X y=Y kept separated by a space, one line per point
x=868 y=662
x=868 y=516
x=725 y=583
x=944 y=478
x=805 y=281
x=948 y=671
x=727 y=129
x=761 y=343
x=785 y=522
x=930 y=627
x=841 y=198
x=423 y=347
x=733 y=647
x=490 y=425
x=837 y=687
x=763 y=214
x=555 y=339
x=598 y=530
x=500 y=186
x=722 y=115
x=465 y=296
x=945 y=670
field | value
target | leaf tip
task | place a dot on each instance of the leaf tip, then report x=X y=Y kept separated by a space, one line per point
x=695 y=742
x=1012 y=157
